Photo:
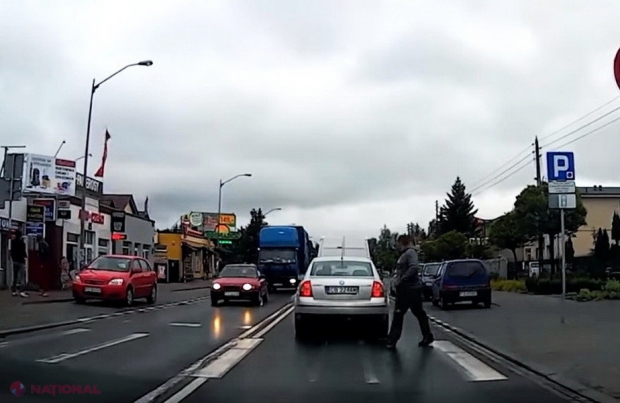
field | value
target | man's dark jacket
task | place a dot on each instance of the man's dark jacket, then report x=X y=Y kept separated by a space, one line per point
x=406 y=277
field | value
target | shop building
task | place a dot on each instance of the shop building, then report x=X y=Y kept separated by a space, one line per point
x=184 y=255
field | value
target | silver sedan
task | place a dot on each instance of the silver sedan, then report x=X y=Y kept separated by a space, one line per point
x=341 y=287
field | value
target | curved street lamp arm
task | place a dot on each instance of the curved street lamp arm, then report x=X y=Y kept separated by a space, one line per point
x=124 y=68
x=233 y=178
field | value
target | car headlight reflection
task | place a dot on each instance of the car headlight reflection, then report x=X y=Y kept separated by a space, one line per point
x=247 y=287
x=216 y=286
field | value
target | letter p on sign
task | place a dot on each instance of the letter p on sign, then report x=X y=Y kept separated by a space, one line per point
x=560 y=166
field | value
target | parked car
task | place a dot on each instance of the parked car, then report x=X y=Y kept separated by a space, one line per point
x=240 y=282
x=462 y=280
x=116 y=277
x=341 y=287
x=429 y=275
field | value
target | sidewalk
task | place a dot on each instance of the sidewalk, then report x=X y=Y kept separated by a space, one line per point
x=585 y=349
x=17 y=312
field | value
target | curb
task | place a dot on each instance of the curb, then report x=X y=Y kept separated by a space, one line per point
x=48 y=301
x=551 y=376
x=35 y=328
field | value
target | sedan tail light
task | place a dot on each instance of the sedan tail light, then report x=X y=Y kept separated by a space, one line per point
x=377 y=290
x=305 y=289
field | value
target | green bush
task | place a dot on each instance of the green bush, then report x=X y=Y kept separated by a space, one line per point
x=546 y=286
x=508 y=285
x=494 y=276
x=610 y=290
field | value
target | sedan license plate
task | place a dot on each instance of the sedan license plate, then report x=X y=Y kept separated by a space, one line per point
x=429 y=283
x=231 y=293
x=468 y=294
x=93 y=290
x=341 y=290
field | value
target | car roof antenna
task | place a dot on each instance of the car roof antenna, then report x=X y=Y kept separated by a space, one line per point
x=342 y=252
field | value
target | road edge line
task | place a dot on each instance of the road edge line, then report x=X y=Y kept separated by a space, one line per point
x=573 y=387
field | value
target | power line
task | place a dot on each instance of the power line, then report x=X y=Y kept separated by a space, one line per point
x=590 y=132
x=580 y=128
x=581 y=118
x=479 y=183
x=503 y=179
x=501 y=173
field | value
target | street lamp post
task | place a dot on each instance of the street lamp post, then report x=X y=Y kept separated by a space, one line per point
x=94 y=88
x=219 y=198
x=82 y=157
x=272 y=210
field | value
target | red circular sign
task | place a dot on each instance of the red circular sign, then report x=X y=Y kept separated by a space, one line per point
x=617 y=68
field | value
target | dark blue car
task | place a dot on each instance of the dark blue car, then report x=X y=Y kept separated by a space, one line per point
x=466 y=280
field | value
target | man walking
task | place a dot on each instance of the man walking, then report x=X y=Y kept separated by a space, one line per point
x=18 y=256
x=408 y=290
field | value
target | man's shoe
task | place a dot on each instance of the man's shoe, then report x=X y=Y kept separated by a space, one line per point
x=426 y=341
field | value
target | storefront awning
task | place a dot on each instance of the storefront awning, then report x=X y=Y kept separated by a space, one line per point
x=195 y=245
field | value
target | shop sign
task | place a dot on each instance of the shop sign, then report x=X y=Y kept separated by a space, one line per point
x=49 y=205
x=118 y=221
x=4 y=224
x=92 y=185
x=35 y=213
x=48 y=175
x=35 y=229
x=222 y=235
x=117 y=236
x=94 y=217
x=64 y=214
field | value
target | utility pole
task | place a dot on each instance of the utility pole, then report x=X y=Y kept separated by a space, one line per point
x=541 y=238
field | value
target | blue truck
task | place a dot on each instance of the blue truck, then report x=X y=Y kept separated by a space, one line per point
x=284 y=253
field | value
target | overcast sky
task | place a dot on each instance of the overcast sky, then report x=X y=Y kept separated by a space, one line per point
x=348 y=114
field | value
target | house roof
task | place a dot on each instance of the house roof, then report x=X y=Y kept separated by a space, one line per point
x=599 y=191
x=119 y=201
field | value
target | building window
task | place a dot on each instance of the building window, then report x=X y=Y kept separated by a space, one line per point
x=89 y=237
x=145 y=251
x=136 y=249
x=104 y=246
x=126 y=248
x=73 y=238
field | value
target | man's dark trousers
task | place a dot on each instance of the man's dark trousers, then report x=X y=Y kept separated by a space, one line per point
x=408 y=299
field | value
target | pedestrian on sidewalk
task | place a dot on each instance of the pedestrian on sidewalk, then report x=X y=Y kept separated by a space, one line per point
x=19 y=255
x=408 y=294
x=43 y=253
x=65 y=277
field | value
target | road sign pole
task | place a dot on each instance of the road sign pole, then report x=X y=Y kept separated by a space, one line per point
x=563 y=248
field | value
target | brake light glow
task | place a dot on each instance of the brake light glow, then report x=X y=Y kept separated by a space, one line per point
x=377 y=290
x=305 y=289
x=449 y=287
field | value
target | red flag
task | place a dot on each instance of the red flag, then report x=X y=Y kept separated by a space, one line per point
x=99 y=173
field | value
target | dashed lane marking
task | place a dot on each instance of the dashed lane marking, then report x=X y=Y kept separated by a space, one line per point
x=66 y=356
x=475 y=369
x=179 y=324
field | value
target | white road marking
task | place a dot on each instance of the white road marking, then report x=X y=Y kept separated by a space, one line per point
x=369 y=372
x=66 y=356
x=4 y=344
x=179 y=324
x=245 y=327
x=475 y=369
x=74 y=331
x=258 y=325
x=274 y=323
x=186 y=391
x=44 y=337
x=226 y=362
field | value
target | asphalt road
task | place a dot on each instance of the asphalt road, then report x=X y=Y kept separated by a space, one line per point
x=41 y=314
x=128 y=357
x=274 y=367
x=123 y=356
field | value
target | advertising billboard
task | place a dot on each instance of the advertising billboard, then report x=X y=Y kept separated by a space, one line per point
x=207 y=224
x=48 y=175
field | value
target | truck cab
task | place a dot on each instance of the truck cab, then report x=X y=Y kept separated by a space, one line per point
x=283 y=255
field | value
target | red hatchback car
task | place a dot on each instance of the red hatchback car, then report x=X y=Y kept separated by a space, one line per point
x=116 y=277
x=239 y=282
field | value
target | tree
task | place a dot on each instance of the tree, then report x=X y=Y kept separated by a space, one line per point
x=433 y=229
x=506 y=234
x=569 y=250
x=385 y=251
x=601 y=245
x=458 y=212
x=615 y=227
x=451 y=245
x=246 y=248
x=416 y=232
x=534 y=216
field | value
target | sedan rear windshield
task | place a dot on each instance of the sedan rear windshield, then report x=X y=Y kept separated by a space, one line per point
x=339 y=268
x=110 y=264
x=431 y=269
x=465 y=269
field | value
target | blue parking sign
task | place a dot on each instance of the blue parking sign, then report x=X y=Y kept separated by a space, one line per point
x=560 y=166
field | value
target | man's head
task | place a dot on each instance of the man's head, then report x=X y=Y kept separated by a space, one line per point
x=403 y=242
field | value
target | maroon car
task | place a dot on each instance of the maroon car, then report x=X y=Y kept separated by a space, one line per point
x=239 y=282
